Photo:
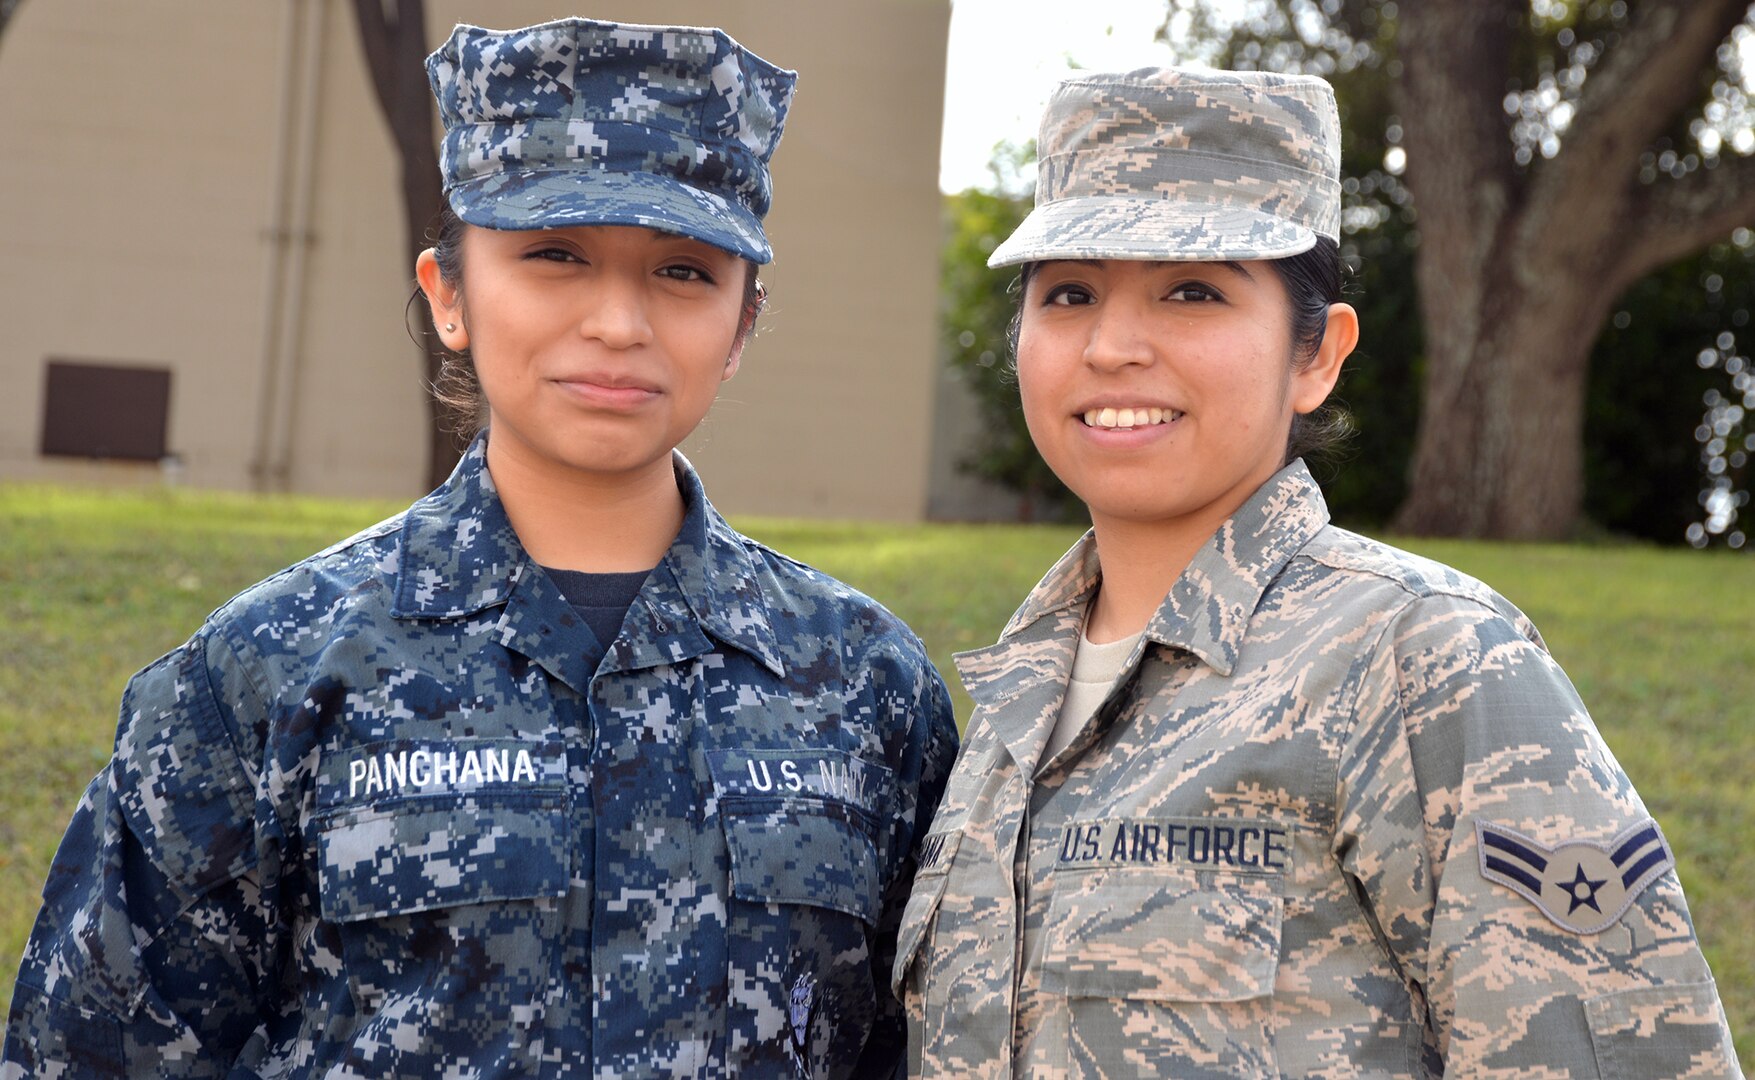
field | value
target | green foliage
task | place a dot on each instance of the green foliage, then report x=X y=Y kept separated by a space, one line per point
x=93 y=585
x=978 y=305
x=1644 y=475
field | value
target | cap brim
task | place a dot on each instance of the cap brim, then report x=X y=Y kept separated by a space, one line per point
x=558 y=198
x=1117 y=227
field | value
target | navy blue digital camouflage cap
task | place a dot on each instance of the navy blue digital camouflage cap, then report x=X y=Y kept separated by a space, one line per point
x=581 y=122
x=1167 y=163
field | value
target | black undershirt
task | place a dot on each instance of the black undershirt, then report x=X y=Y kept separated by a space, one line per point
x=602 y=600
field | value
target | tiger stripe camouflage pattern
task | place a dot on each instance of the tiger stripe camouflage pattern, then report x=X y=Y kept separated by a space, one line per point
x=1260 y=857
x=1162 y=163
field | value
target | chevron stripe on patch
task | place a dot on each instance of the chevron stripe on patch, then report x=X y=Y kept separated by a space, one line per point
x=1581 y=885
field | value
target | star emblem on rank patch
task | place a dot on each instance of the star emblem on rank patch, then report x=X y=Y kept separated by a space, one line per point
x=1583 y=886
x=1583 y=891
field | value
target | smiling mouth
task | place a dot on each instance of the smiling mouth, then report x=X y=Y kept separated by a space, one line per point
x=1128 y=419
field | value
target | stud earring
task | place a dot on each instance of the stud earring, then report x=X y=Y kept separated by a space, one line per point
x=450 y=326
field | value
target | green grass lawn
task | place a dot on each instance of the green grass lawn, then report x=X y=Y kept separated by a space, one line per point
x=93 y=585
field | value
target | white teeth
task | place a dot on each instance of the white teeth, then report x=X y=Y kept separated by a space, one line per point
x=1128 y=418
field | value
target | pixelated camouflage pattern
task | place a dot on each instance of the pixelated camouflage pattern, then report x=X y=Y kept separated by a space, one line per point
x=1367 y=706
x=378 y=818
x=1190 y=165
x=582 y=122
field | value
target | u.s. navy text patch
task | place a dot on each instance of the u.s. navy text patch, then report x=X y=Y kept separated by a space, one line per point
x=1582 y=885
x=819 y=772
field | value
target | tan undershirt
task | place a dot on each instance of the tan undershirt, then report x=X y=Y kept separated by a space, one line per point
x=1093 y=672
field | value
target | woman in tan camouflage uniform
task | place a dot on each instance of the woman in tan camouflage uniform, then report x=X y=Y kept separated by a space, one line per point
x=1245 y=794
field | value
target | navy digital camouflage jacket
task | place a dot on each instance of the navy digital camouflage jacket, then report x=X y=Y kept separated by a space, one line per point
x=376 y=818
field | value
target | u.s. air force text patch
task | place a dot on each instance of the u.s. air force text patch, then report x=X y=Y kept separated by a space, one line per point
x=1582 y=885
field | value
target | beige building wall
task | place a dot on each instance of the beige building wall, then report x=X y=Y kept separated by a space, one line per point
x=180 y=213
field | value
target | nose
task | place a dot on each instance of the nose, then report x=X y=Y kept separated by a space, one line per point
x=615 y=311
x=1119 y=337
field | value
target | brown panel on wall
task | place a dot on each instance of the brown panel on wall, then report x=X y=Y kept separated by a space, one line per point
x=105 y=411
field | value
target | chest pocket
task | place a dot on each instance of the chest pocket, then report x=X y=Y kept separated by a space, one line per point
x=797 y=851
x=438 y=860
x=804 y=860
x=803 y=828
x=933 y=872
x=1164 y=974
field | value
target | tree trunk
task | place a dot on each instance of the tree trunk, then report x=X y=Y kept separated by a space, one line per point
x=7 y=7
x=393 y=35
x=1499 y=452
x=1517 y=270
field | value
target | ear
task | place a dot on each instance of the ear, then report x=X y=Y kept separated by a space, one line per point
x=1312 y=385
x=444 y=300
x=746 y=326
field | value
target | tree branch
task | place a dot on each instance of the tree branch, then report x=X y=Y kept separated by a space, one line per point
x=1648 y=76
x=1674 y=218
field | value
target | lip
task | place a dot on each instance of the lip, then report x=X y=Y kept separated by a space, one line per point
x=1129 y=438
x=609 y=392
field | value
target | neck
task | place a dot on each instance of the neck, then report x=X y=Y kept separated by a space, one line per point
x=1140 y=561
x=571 y=520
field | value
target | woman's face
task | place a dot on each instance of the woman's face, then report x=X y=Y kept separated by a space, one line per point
x=599 y=348
x=1163 y=392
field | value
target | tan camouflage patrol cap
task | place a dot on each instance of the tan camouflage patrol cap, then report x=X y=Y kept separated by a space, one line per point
x=1166 y=163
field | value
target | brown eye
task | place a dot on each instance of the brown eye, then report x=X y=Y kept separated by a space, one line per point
x=685 y=273
x=1068 y=295
x=1195 y=292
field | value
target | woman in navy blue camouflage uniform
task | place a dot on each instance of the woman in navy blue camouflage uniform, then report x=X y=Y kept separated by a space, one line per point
x=554 y=774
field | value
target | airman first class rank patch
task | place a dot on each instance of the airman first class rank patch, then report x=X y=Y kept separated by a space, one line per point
x=1582 y=885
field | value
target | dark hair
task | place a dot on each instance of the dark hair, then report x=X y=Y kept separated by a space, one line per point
x=457 y=388
x=1313 y=281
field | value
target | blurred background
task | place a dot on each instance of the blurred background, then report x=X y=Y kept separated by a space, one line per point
x=209 y=241
x=209 y=213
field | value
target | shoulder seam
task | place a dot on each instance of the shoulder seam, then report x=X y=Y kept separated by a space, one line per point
x=1420 y=591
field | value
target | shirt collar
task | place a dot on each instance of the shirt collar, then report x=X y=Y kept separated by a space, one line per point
x=1208 y=609
x=709 y=577
x=460 y=556
x=1206 y=612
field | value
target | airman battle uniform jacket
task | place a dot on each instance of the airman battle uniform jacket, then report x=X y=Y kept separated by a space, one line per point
x=378 y=818
x=1339 y=816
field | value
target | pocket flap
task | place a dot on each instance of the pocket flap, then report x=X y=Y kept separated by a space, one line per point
x=917 y=916
x=422 y=854
x=802 y=851
x=1661 y=1031
x=1131 y=935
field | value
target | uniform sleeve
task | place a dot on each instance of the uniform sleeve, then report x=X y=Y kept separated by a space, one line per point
x=149 y=955
x=931 y=749
x=1511 y=871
